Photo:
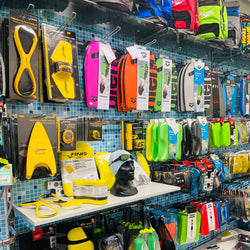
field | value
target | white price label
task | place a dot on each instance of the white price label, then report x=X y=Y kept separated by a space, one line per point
x=4 y=179
x=108 y=52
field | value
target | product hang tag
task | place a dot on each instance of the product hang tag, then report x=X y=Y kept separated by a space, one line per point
x=199 y=78
x=204 y=133
x=174 y=126
x=6 y=175
x=166 y=85
x=199 y=72
x=108 y=52
x=210 y=216
x=191 y=228
x=202 y=120
x=143 y=68
x=103 y=80
x=134 y=52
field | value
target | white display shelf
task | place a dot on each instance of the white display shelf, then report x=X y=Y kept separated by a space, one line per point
x=227 y=244
x=144 y=192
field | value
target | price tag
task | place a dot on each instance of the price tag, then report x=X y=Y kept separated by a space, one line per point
x=108 y=52
x=202 y=120
x=134 y=52
x=172 y=123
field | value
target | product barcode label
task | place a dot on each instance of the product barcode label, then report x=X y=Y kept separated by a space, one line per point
x=4 y=179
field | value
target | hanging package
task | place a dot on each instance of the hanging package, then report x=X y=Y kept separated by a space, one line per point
x=185 y=15
x=234 y=24
x=244 y=95
x=189 y=222
x=100 y=76
x=245 y=40
x=154 y=11
x=217 y=108
x=137 y=81
x=23 y=58
x=191 y=84
x=61 y=77
x=213 y=19
x=166 y=93
x=35 y=140
x=229 y=89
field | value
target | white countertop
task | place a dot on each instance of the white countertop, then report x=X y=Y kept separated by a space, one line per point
x=226 y=245
x=144 y=192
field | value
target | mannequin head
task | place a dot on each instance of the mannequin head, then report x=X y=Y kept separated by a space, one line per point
x=122 y=165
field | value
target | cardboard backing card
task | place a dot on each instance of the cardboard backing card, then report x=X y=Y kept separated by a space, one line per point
x=23 y=58
x=61 y=64
x=25 y=125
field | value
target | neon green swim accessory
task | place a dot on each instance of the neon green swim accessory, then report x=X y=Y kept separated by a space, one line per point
x=215 y=134
x=225 y=135
x=163 y=143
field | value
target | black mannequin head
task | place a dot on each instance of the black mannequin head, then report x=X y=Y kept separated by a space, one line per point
x=122 y=165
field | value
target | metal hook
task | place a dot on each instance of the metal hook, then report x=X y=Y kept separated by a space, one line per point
x=112 y=33
x=67 y=22
x=29 y=9
x=151 y=42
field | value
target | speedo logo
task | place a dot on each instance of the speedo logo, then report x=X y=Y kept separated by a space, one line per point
x=206 y=14
x=191 y=105
x=75 y=155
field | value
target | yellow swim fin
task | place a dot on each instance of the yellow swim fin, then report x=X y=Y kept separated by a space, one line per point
x=143 y=162
x=102 y=163
x=40 y=152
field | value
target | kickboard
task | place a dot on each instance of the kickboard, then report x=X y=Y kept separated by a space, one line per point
x=174 y=88
x=130 y=82
x=113 y=85
x=91 y=76
x=152 y=83
x=91 y=73
x=188 y=88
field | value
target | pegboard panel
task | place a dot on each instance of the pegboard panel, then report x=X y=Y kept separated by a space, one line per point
x=87 y=28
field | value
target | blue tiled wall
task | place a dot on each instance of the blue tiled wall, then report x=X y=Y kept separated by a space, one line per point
x=29 y=190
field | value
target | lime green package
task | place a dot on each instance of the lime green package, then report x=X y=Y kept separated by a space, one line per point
x=175 y=136
x=154 y=142
x=225 y=134
x=215 y=134
x=213 y=21
x=188 y=227
x=163 y=143
x=164 y=85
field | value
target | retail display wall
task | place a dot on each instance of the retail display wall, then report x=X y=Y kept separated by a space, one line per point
x=29 y=190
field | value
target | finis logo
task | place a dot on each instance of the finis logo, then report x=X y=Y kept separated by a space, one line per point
x=76 y=155
x=40 y=150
